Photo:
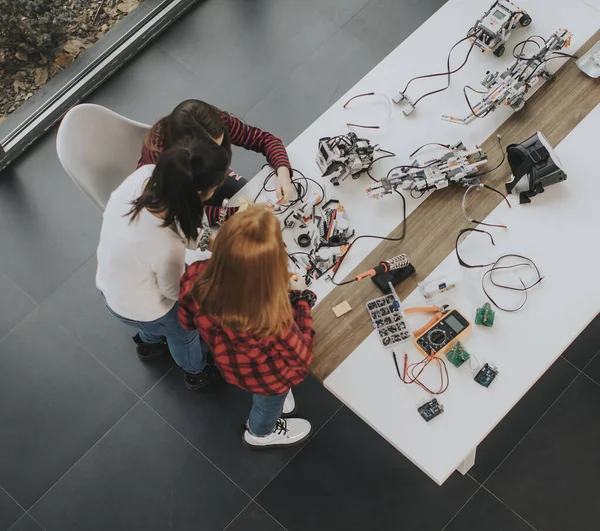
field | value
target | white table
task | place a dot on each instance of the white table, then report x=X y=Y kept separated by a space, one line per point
x=366 y=382
x=522 y=345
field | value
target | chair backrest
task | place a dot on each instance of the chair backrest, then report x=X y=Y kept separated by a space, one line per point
x=98 y=149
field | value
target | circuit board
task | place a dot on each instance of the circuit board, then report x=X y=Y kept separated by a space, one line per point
x=485 y=315
x=457 y=355
x=388 y=320
x=431 y=409
x=486 y=375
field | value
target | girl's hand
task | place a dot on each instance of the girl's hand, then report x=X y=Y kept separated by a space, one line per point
x=286 y=191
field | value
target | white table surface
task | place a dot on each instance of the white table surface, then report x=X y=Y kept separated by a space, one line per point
x=559 y=231
x=366 y=381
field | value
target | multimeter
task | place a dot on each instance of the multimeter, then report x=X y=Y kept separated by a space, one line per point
x=439 y=337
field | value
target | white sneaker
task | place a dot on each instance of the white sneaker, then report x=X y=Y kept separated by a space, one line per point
x=288 y=432
x=289 y=406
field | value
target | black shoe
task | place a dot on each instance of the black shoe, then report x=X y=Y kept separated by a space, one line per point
x=150 y=351
x=208 y=376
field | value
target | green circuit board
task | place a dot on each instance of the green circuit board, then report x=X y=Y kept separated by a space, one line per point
x=485 y=315
x=457 y=355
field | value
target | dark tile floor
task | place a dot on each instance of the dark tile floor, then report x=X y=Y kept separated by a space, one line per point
x=93 y=440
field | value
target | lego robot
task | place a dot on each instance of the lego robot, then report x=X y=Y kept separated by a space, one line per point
x=511 y=86
x=344 y=155
x=457 y=166
x=493 y=29
x=325 y=237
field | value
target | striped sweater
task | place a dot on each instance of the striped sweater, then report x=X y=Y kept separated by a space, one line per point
x=242 y=135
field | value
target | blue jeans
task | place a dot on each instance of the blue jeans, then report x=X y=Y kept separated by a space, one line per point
x=187 y=349
x=265 y=412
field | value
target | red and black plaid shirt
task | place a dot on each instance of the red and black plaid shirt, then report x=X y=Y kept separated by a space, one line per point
x=269 y=366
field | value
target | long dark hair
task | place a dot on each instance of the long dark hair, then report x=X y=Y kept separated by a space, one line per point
x=191 y=166
x=191 y=118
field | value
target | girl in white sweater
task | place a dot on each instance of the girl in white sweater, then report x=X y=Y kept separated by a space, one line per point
x=149 y=221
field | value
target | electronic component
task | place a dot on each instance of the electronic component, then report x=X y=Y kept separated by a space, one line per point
x=457 y=355
x=493 y=29
x=394 y=277
x=486 y=375
x=223 y=212
x=440 y=334
x=304 y=240
x=431 y=409
x=385 y=266
x=457 y=165
x=344 y=155
x=485 y=315
x=511 y=86
x=327 y=238
x=388 y=320
x=536 y=160
x=432 y=288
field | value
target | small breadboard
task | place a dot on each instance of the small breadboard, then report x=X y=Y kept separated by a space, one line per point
x=486 y=375
x=431 y=409
x=485 y=315
x=457 y=355
x=388 y=320
x=341 y=309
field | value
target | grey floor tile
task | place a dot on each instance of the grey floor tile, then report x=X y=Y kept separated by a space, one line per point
x=78 y=306
x=56 y=401
x=507 y=434
x=15 y=305
x=313 y=87
x=348 y=477
x=584 y=346
x=384 y=24
x=247 y=163
x=245 y=48
x=151 y=85
x=10 y=512
x=26 y=524
x=141 y=475
x=254 y=519
x=551 y=478
x=593 y=369
x=213 y=420
x=339 y=11
x=485 y=512
x=48 y=229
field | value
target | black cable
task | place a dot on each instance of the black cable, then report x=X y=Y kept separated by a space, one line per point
x=471 y=106
x=423 y=192
x=449 y=74
x=459 y=258
x=338 y=264
x=494 y=266
x=524 y=289
x=447 y=146
x=498 y=138
x=388 y=155
x=524 y=43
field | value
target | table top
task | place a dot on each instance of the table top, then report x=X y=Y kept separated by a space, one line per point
x=521 y=345
x=365 y=381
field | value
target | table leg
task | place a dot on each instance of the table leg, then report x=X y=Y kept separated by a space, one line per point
x=466 y=465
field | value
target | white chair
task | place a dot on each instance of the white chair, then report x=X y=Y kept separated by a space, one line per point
x=98 y=149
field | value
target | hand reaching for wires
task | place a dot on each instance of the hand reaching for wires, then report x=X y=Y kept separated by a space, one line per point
x=284 y=188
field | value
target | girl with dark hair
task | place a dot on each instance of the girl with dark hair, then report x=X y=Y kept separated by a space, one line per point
x=148 y=223
x=195 y=117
